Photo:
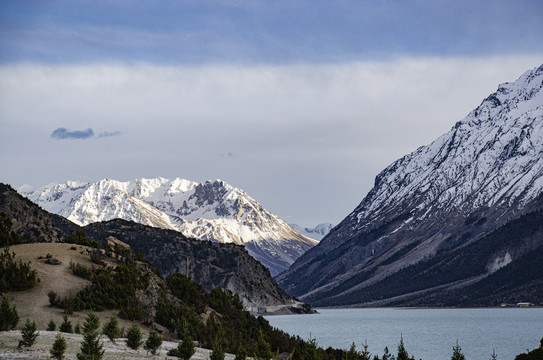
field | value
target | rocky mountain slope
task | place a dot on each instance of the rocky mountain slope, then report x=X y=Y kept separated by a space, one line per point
x=213 y=210
x=227 y=266
x=429 y=210
x=317 y=233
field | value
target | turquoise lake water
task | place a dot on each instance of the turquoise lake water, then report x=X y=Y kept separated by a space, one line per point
x=429 y=334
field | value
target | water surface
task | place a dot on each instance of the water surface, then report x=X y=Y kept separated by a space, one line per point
x=428 y=334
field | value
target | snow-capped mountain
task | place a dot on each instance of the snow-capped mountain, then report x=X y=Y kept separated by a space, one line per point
x=317 y=233
x=213 y=210
x=482 y=174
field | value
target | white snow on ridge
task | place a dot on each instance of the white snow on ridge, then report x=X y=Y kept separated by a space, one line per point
x=212 y=210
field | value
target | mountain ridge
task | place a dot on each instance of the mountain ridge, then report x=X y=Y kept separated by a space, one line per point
x=212 y=210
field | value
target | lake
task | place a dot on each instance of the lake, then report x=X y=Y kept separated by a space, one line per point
x=429 y=334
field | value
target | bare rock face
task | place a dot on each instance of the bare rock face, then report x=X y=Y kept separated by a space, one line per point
x=437 y=203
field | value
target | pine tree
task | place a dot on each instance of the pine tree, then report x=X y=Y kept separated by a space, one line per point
x=51 y=326
x=9 y=318
x=59 y=347
x=493 y=356
x=365 y=354
x=133 y=337
x=91 y=348
x=77 y=328
x=457 y=352
x=262 y=348
x=217 y=351
x=29 y=334
x=241 y=353
x=153 y=342
x=402 y=353
x=185 y=349
x=66 y=326
x=111 y=329
x=352 y=354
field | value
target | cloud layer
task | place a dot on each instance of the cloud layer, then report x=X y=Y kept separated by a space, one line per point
x=306 y=140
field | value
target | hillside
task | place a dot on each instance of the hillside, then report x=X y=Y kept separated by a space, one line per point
x=437 y=224
x=227 y=266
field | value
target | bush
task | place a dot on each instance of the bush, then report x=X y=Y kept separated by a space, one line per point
x=153 y=342
x=80 y=238
x=15 y=276
x=81 y=270
x=54 y=299
x=9 y=318
x=7 y=237
x=59 y=347
x=51 y=326
x=29 y=334
x=133 y=337
x=185 y=348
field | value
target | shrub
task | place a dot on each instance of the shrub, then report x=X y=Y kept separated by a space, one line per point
x=54 y=299
x=29 y=334
x=77 y=328
x=153 y=342
x=15 y=276
x=7 y=236
x=9 y=318
x=81 y=270
x=185 y=348
x=133 y=337
x=51 y=326
x=59 y=347
x=79 y=237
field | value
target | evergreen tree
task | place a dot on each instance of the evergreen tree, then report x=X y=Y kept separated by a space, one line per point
x=217 y=351
x=241 y=353
x=111 y=329
x=312 y=352
x=9 y=318
x=133 y=337
x=457 y=352
x=402 y=353
x=77 y=328
x=493 y=356
x=365 y=354
x=59 y=347
x=185 y=349
x=387 y=355
x=51 y=326
x=91 y=348
x=153 y=342
x=352 y=354
x=262 y=349
x=66 y=326
x=29 y=334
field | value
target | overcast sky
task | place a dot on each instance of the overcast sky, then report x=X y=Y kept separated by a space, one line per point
x=300 y=103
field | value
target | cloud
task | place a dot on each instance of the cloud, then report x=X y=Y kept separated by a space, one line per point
x=63 y=133
x=108 y=134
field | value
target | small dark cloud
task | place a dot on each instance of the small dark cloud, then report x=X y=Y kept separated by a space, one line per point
x=111 y=133
x=63 y=133
x=227 y=155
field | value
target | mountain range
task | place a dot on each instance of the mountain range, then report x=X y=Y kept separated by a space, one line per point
x=211 y=264
x=212 y=210
x=316 y=233
x=456 y=222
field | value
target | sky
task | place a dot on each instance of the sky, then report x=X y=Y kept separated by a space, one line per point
x=299 y=103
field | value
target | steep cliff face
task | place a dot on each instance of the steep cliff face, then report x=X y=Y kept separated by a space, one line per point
x=226 y=266
x=212 y=210
x=485 y=172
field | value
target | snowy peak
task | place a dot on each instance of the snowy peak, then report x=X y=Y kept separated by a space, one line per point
x=212 y=210
x=317 y=233
x=483 y=174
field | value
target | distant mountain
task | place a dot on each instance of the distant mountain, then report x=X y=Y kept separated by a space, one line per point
x=213 y=210
x=448 y=219
x=226 y=266
x=317 y=233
